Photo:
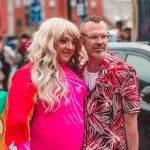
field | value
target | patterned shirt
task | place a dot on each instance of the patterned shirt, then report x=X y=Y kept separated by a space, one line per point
x=115 y=93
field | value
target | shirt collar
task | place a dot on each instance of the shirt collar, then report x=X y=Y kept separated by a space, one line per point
x=106 y=62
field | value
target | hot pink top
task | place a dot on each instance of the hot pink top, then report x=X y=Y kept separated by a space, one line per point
x=62 y=129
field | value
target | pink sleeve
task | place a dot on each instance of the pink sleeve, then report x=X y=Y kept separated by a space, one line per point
x=24 y=146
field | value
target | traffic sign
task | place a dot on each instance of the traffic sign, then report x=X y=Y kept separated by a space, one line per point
x=36 y=12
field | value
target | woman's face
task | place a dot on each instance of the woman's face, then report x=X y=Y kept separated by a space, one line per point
x=65 y=48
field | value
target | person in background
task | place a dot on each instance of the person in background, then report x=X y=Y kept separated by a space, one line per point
x=112 y=102
x=5 y=37
x=2 y=75
x=127 y=34
x=50 y=86
x=120 y=35
x=21 y=47
x=7 y=56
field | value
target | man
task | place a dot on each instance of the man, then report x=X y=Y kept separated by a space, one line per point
x=112 y=103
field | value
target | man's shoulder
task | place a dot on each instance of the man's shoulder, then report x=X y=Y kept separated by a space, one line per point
x=119 y=63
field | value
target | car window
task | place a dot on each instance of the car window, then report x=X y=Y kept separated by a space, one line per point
x=117 y=54
x=141 y=65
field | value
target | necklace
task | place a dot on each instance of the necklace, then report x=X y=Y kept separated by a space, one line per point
x=90 y=78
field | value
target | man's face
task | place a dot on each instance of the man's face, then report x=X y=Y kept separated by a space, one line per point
x=95 y=47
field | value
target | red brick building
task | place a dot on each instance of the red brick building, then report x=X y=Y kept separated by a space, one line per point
x=15 y=15
x=3 y=16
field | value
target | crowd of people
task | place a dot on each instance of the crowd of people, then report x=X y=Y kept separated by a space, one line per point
x=7 y=56
x=64 y=103
x=12 y=58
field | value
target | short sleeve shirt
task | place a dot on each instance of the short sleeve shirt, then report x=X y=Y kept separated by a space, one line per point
x=115 y=93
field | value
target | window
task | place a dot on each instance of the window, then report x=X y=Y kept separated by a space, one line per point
x=27 y=15
x=27 y=2
x=18 y=22
x=141 y=65
x=18 y=3
x=117 y=55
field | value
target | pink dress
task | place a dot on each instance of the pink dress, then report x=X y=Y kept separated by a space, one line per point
x=62 y=129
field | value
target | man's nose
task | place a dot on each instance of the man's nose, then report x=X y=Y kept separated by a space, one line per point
x=99 y=40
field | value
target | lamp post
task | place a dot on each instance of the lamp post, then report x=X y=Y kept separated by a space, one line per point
x=69 y=9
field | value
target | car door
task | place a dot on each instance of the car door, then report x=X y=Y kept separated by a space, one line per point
x=141 y=64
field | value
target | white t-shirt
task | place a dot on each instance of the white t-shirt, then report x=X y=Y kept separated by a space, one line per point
x=89 y=78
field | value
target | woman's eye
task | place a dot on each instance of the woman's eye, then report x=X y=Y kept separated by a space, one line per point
x=63 y=40
x=74 y=42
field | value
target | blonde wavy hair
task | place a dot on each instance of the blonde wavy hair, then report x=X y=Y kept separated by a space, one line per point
x=46 y=74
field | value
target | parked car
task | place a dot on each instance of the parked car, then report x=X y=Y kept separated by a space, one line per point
x=113 y=37
x=138 y=55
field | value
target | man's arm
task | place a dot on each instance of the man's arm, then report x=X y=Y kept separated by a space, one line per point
x=131 y=130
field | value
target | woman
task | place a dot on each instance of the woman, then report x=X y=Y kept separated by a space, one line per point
x=50 y=86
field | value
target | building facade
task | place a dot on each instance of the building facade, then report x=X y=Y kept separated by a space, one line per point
x=19 y=15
